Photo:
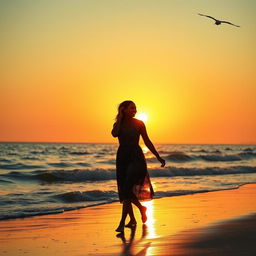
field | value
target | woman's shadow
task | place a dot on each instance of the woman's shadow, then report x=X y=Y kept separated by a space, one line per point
x=129 y=245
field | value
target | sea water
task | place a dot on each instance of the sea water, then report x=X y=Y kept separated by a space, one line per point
x=45 y=178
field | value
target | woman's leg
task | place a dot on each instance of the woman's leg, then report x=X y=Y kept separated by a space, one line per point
x=125 y=211
x=132 y=221
x=131 y=214
x=137 y=203
x=142 y=209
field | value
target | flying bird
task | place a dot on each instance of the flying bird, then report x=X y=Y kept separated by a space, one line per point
x=218 y=22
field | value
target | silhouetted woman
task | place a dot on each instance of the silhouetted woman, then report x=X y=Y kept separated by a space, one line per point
x=131 y=170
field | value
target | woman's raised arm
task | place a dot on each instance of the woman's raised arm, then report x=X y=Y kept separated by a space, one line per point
x=116 y=129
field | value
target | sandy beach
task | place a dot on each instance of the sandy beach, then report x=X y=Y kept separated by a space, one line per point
x=216 y=223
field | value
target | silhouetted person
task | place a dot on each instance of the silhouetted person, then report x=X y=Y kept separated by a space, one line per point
x=133 y=181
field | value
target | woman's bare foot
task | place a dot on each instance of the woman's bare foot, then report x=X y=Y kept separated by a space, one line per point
x=120 y=228
x=131 y=224
x=143 y=214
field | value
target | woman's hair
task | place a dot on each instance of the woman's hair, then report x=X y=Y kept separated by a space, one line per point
x=123 y=105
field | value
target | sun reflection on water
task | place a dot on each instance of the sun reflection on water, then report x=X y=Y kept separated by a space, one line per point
x=144 y=149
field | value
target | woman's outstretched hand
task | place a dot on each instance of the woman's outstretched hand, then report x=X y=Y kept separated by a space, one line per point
x=162 y=161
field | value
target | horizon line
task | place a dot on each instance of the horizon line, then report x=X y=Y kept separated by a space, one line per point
x=171 y=143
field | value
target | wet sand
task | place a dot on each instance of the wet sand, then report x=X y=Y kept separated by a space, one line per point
x=233 y=237
x=214 y=223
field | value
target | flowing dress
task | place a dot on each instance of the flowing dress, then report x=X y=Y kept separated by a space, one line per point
x=133 y=180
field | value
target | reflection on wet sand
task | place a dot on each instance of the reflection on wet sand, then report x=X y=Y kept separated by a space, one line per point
x=141 y=245
x=151 y=219
x=130 y=246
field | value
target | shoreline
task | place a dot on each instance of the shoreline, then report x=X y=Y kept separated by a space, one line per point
x=115 y=201
x=174 y=224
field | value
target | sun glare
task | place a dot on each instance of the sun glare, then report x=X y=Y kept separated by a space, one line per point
x=151 y=219
x=143 y=117
x=144 y=149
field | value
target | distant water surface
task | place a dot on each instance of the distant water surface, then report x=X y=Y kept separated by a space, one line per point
x=44 y=178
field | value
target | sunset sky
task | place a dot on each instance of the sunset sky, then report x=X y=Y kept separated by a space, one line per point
x=66 y=65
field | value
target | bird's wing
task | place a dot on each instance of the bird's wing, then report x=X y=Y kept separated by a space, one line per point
x=207 y=16
x=229 y=23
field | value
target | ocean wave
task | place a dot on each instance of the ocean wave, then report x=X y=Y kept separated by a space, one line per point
x=175 y=171
x=63 y=149
x=221 y=158
x=110 y=161
x=214 y=156
x=247 y=154
x=199 y=151
x=5 y=160
x=78 y=153
x=29 y=212
x=83 y=164
x=37 y=211
x=179 y=157
x=30 y=158
x=248 y=149
x=216 y=151
x=168 y=152
x=226 y=157
x=110 y=174
x=12 y=154
x=76 y=175
x=111 y=196
x=35 y=152
x=18 y=166
x=60 y=164
x=160 y=194
x=93 y=195
x=18 y=175
x=5 y=181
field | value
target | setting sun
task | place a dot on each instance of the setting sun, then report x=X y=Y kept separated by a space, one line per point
x=143 y=117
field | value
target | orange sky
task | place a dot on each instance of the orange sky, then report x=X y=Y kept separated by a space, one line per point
x=66 y=65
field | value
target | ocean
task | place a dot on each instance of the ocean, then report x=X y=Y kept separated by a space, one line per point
x=46 y=178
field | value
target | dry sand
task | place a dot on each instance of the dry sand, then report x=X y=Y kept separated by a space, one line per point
x=214 y=223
